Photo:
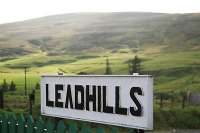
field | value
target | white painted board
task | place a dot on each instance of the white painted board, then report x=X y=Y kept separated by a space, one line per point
x=129 y=89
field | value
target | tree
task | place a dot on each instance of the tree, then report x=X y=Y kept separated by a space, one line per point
x=37 y=86
x=12 y=86
x=4 y=86
x=134 y=65
x=108 y=69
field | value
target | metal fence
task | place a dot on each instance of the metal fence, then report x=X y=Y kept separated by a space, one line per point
x=9 y=123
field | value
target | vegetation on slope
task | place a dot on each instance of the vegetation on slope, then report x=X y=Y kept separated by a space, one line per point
x=167 y=44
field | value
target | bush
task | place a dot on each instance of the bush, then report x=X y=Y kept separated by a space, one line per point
x=4 y=86
x=12 y=86
x=187 y=118
x=37 y=86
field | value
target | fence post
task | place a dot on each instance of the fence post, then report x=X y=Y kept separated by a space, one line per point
x=12 y=124
x=20 y=124
x=114 y=130
x=60 y=127
x=100 y=130
x=49 y=127
x=39 y=125
x=29 y=124
x=1 y=123
x=72 y=128
x=85 y=129
x=4 y=126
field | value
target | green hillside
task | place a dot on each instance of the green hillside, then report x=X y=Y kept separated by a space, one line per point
x=83 y=32
x=167 y=44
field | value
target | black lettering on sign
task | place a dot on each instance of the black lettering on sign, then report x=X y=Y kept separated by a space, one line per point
x=106 y=108
x=99 y=99
x=79 y=89
x=118 y=109
x=91 y=97
x=48 y=102
x=69 y=97
x=58 y=88
x=138 y=111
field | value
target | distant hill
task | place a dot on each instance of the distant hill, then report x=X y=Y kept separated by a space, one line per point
x=83 y=32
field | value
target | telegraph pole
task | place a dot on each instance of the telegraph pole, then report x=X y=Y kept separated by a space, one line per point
x=25 y=87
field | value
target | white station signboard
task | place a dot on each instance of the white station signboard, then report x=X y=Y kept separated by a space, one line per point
x=124 y=100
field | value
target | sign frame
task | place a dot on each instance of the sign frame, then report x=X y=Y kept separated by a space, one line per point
x=148 y=91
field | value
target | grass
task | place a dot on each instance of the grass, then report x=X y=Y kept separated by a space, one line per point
x=175 y=71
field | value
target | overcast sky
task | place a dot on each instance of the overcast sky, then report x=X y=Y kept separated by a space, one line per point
x=18 y=10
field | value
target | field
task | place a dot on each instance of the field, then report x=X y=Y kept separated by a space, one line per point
x=167 y=44
x=175 y=71
x=171 y=70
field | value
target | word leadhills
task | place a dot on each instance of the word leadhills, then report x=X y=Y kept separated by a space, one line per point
x=96 y=97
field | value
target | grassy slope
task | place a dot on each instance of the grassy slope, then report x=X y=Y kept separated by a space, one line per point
x=175 y=70
x=77 y=33
x=172 y=71
x=174 y=64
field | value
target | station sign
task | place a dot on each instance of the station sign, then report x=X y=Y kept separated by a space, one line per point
x=120 y=100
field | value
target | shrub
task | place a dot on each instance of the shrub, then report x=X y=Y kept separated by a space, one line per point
x=4 y=86
x=12 y=86
x=37 y=86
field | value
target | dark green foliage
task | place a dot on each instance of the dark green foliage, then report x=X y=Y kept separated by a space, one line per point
x=108 y=68
x=12 y=86
x=165 y=96
x=177 y=118
x=4 y=86
x=37 y=86
x=135 y=65
x=31 y=101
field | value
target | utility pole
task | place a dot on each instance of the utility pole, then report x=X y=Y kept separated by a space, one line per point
x=25 y=87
